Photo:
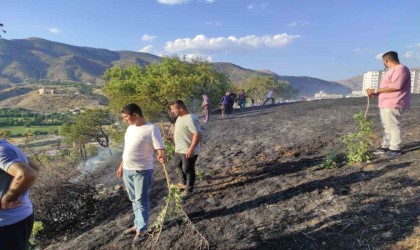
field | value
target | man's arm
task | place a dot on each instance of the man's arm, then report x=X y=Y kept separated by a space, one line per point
x=375 y=92
x=195 y=140
x=24 y=177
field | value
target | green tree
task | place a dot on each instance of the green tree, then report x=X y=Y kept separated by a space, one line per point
x=92 y=125
x=257 y=86
x=156 y=85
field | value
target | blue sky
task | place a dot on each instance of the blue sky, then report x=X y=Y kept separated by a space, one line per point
x=327 y=39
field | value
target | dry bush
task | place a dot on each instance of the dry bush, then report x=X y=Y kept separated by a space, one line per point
x=61 y=197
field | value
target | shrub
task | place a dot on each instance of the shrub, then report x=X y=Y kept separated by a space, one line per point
x=359 y=142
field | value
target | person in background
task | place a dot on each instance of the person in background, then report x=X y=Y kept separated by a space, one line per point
x=242 y=99
x=140 y=142
x=187 y=138
x=232 y=96
x=206 y=107
x=17 y=175
x=225 y=103
x=270 y=96
x=394 y=96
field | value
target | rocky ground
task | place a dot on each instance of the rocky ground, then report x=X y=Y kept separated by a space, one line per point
x=261 y=186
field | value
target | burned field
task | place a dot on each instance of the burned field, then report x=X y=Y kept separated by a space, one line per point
x=259 y=186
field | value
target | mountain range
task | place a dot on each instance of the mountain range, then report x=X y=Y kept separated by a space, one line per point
x=22 y=60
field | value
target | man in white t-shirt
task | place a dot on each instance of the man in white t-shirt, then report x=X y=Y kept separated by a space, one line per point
x=269 y=96
x=187 y=137
x=140 y=142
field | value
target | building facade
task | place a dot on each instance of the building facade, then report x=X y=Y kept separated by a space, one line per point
x=372 y=79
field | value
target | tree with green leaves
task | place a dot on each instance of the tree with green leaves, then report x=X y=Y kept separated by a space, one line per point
x=257 y=86
x=156 y=85
x=92 y=125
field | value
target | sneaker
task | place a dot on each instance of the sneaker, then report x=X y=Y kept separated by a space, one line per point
x=186 y=194
x=393 y=153
x=131 y=230
x=380 y=151
x=181 y=186
x=137 y=239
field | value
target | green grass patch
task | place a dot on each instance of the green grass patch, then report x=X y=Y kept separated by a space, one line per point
x=20 y=130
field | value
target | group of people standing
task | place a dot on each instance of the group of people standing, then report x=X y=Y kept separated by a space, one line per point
x=141 y=140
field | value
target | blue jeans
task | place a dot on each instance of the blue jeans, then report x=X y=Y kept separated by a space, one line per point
x=138 y=184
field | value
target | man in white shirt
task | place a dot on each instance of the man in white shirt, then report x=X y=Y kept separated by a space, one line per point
x=140 y=142
x=269 y=96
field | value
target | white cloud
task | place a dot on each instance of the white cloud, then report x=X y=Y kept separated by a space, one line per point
x=54 y=30
x=148 y=38
x=146 y=49
x=257 y=6
x=210 y=1
x=362 y=50
x=412 y=55
x=217 y=23
x=203 y=45
x=173 y=2
x=297 y=24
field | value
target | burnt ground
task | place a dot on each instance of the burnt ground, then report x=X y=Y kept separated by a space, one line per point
x=261 y=187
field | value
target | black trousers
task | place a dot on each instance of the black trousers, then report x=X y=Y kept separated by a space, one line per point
x=187 y=169
x=272 y=101
x=16 y=236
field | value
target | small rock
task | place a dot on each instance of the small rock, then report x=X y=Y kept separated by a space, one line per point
x=118 y=188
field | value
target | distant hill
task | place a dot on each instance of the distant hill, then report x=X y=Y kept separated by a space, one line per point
x=22 y=60
x=355 y=83
x=307 y=86
x=35 y=58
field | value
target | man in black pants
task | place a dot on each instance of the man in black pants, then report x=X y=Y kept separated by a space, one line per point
x=17 y=175
x=187 y=137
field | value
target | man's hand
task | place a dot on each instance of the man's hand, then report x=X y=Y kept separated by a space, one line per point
x=189 y=153
x=5 y=203
x=120 y=172
x=162 y=158
x=371 y=92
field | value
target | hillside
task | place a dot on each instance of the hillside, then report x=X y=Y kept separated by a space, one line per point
x=52 y=103
x=262 y=188
x=307 y=86
x=35 y=58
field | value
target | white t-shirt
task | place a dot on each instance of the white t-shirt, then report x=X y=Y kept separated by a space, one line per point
x=270 y=94
x=140 y=143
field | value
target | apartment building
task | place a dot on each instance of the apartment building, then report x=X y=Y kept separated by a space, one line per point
x=372 y=79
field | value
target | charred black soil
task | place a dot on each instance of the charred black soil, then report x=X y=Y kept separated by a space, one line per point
x=260 y=186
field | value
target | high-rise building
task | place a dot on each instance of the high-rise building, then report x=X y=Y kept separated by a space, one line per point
x=372 y=79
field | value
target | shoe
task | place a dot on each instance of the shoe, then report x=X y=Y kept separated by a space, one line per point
x=393 y=153
x=186 y=194
x=380 y=151
x=137 y=239
x=180 y=186
x=131 y=230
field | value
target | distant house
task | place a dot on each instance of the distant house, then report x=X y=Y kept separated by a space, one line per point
x=44 y=90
